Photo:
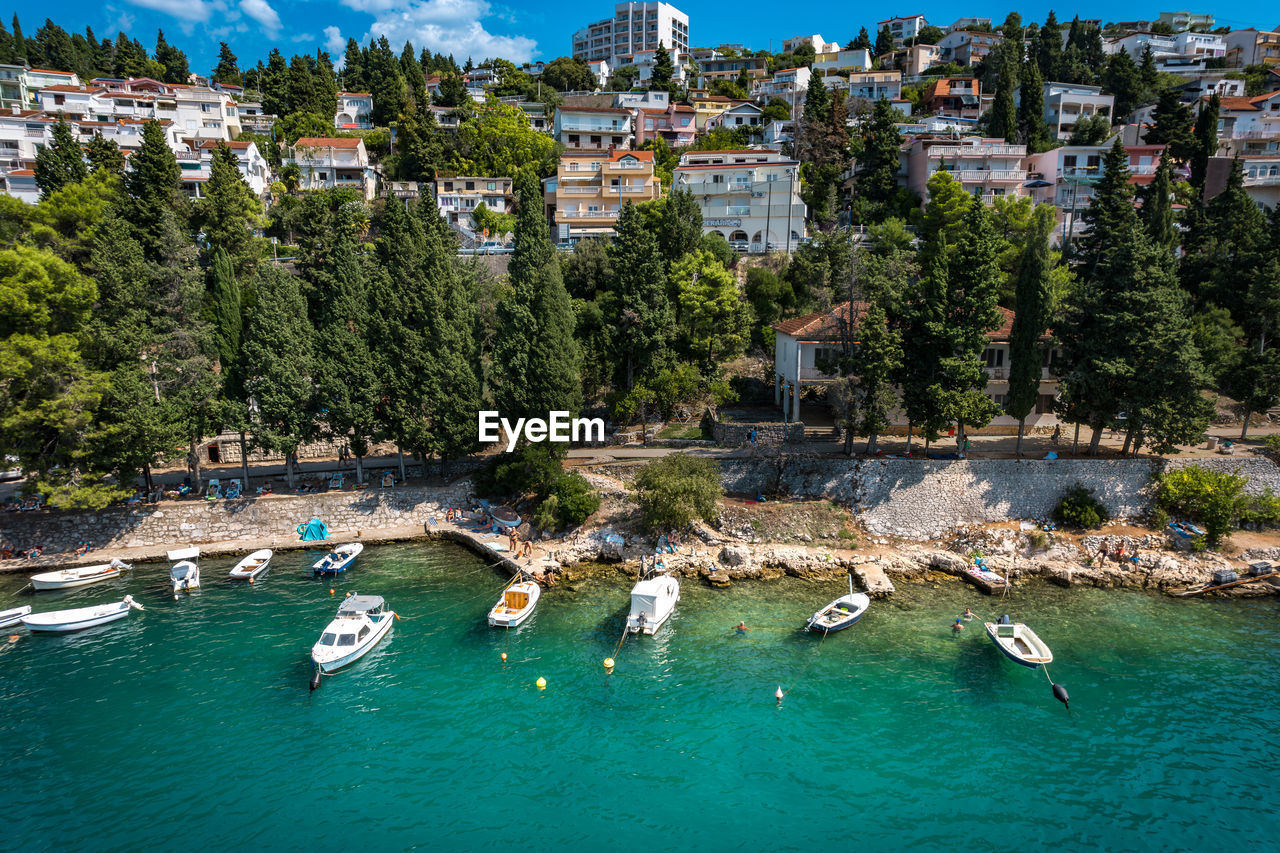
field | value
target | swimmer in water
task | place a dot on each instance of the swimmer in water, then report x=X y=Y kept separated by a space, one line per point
x=968 y=615
x=742 y=628
x=958 y=626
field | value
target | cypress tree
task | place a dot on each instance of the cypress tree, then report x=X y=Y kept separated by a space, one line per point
x=1002 y=118
x=1049 y=53
x=152 y=183
x=884 y=42
x=224 y=305
x=973 y=298
x=1157 y=205
x=663 y=70
x=1171 y=125
x=1032 y=300
x=1204 y=140
x=1031 y=126
x=61 y=163
x=104 y=155
x=227 y=70
x=20 y=53
x=638 y=306
x=228 y=212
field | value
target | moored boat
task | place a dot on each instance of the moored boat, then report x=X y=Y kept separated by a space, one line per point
x=841 y=613
x=79 y=575
x=362 y=621
x=185 y=572
x=251 y=566
x=78 y=619
x=516 y=604
x=14 y=616
x=652 y=603
x=338 y=560
x=1018 y=643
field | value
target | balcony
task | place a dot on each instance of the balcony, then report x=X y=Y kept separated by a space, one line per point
x=989 y=175
x=592 y=190
x=1262 y=181
x=562 y=215
x=978 y=151
x=627 y=167
x=591 y=127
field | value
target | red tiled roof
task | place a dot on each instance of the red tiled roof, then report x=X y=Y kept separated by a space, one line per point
x=1239 y=104
x=326 y=142
x=64 y=87
x=51 y=71
x=825 y=324
x=645 y=156
x=356 y=94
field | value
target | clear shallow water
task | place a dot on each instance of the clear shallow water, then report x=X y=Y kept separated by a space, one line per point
x=190 y=726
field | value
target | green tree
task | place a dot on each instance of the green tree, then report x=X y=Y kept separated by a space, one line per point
x=1049 y=48
x=663 y=69
x=1204 y=140
x=1033 y=300
x=229 y=213
x=152 y=184
x=62 y=162
x=104 y=155
x=679 y=228
x=224 y=307
x=675 y=490
x=565 y=74
x=863 y=40
x=176 y=67
x=884 y=42
x=1031 y=127
x=878 y=164
x=638 y=307
x=227 y=70
x=943 y=214
x=1171 y=125
x=1157 y=205
x=715 y=323
x=497 y=141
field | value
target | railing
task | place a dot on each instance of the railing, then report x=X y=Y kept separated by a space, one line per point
x=576 y=127
x=586 y=214
x=989 y=175
x=978 y=151
x=1261 y=180
x=595 y=190
x=613 y=167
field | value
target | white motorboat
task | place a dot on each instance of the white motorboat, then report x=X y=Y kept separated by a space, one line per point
x=79 y=576
x=251 y=566
x=516 y=604
x=185 y=572
x=14 y=616
x=1018 y=643
x=841 y=613
x=338 y=560
x=81 y=617
x=361 y=622
x=652 y=602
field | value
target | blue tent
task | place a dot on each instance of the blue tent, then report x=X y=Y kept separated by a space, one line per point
x=313 y=530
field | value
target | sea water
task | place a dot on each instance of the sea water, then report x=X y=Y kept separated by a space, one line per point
x=190 y=726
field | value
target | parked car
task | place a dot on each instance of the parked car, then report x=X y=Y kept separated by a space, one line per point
x=739 y=245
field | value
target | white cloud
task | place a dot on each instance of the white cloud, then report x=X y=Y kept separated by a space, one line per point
x=446 y=26
x=185 y=10
x=334 y=42
x=262 y=12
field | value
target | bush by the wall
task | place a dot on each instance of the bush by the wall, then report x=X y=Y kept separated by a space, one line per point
x=1214 y=499
x=675 y=490
x=1079 y=507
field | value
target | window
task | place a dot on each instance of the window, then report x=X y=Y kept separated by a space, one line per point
x=471 y=185
x=347 y=640
x=993 y=357
x=491 y=186
x=998 y=399
x=327 y=639
x=324 y=176
x=364 y=632
x=1044 y=404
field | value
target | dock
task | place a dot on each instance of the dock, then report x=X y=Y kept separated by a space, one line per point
x=874 y=580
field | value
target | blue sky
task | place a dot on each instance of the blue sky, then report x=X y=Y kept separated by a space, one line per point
x=524 y=29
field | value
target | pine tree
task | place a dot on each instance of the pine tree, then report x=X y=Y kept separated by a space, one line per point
x=104 y=155
x=943 y=214
x=680 y=229
x=452 y=91
x=638 y=308
x=1122 y=80
x=878 y=164
x=224 y=307
x=973 y=310
x=1225 y=248
x=1171 y=125
x=663 y=70
x=1157 y=205
x=1002 y=118
x=20 y=53
x=1033 y=296
x=176 y=67
x=1110 y=208
x=386 y=83
x=152 y=183
x=884 y=42
x=1049 y=55
x=863 y=41
x=227 y=70
x=1204 y=140
x=62 y=162
x=353 y=76
x=1031 y=126
x=229 y=211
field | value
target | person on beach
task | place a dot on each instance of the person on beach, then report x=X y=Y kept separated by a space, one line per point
x=1102 y=554
x=528 y=549
x=742 y=628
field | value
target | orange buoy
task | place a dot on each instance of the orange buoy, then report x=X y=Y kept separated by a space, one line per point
x=504 y=657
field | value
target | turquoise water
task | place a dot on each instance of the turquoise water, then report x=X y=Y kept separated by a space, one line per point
x=190 y=726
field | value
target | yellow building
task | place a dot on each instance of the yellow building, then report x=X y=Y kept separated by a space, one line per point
x=590 y=187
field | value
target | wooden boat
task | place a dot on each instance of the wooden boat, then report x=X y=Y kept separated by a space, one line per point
x=516 y=604
x=652 y=603
x=63 y=621
x=362 y=621
x=185 y=572
x=79 y=576
x=841 y=613
x=14 y=616
x=1018 y=643
x=251 y=566
x=338 y=560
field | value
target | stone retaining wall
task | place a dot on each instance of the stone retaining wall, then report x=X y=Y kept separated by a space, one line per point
x=195 y=522
x=735 y=434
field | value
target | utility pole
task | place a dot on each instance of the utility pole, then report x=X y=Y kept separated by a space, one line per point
x=790 y=193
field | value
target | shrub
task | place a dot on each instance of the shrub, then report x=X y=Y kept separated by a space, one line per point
x=547 y=515
x=1215 y=499
x=675 y=490
x=719 y=246
x=1272 y=442
x=531 y=469
x=575 y=499
x=1079 y=507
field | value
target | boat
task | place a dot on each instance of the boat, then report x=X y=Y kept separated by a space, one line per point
x=79 y=576
x=1018 y=643
x=338 y=560
x=841 y=613
x=516 y=604
x=505 y=517
x=80 y=618
x=251 y=566
x=652 y=602
x=14 y=616
x=361 y=622
x=185 y=572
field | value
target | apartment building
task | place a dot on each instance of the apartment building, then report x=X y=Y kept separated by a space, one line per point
x=1253 y=47
x=958 y=97
x=902 y=28
x=967 y=47
x=634 y=27
x=1135 y=43
x=326 y=163
x=815 y=41
x=677 y=124
x=195 y=160
x=1065 y=178
x=458 y=197
x=986 y=168
x=751 y=197
x=254 y=119
x=1181 y=21
x=589 y=189
x=969 y=24
x=643 y=61
x=195 y=110
x=789 y=84
x=719 y=67
x=592 y=128
x=707 y=107
x=1261 y=177
x=743 y=114
x=913 y=61
x=874 y=85
x=355 y=111
x=1067 y=103
x=1248 y=125
x=835 y=61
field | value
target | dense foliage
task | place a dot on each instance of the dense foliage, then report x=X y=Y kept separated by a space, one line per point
x=675 y=490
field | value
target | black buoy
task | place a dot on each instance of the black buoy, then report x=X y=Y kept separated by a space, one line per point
x=315 y=677
x=1060 y=693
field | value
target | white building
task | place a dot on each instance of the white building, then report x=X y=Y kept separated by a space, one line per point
x=634 y=27
x=828 y=63
x=874 y=85
x=355 y=111
x=458 y=197
x=592 y=128
x=1253 y=47
x=644 y=60
x=750 y=197
x=789 y=84
x=1186 y=20
x=1067 y=103
x=815 y=41
x=1207 y=45
x=742 y=114
x=326 y=163
x=902 y=28
x=195 y=160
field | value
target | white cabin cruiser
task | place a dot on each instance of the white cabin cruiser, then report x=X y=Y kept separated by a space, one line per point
x=185 y=572
x=251 y=566
x=362 y=621
x=81 y=617
x=516 y=604
x=79 y=576
x=652 y=602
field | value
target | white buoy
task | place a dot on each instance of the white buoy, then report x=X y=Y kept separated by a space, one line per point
x=778 y=694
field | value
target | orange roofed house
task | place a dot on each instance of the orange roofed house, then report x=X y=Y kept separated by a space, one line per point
x=801 y=344
x=585 y=196
x=327 y=163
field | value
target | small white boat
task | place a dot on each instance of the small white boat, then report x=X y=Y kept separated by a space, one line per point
x=251 y=566
x=81 y=617
x=79 y=576
x=652 y=603
x=185 y=572
x=1018 y=643
x=338 y=560
x=14 y=616
x=841 y=613
x=361 y=622
x=516 y=604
